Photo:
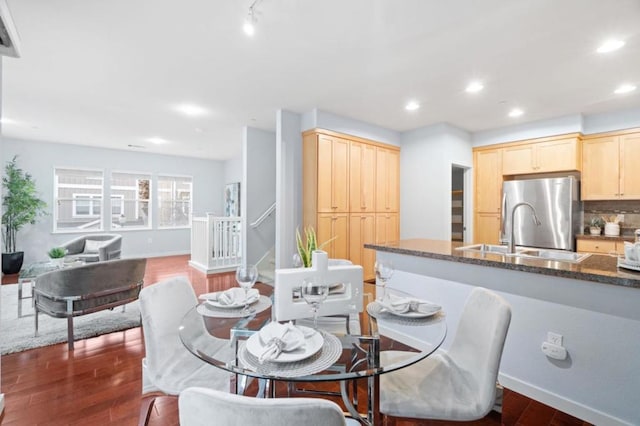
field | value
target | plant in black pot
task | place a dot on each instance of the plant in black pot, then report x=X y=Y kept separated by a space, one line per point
x=21 y=206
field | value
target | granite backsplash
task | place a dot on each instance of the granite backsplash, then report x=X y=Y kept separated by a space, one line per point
x=629 y=208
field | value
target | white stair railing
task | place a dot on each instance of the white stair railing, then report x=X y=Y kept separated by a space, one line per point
x=215 y=243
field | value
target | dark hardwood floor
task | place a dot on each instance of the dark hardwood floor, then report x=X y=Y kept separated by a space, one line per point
x=99 y=383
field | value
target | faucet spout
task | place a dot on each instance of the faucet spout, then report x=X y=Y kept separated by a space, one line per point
x=512 y=240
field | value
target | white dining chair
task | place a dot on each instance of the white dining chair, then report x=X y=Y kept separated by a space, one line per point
x=168 y=367
x=203 y=407
x=458 y=384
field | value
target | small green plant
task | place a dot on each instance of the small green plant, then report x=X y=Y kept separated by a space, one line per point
x=596 y=222
x=57 y=252
x=306 y=248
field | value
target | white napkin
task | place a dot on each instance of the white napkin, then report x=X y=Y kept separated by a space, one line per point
x=403 y=305
x=233 y=296
x=278 y=338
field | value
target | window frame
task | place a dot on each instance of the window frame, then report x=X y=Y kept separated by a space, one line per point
x=160 y=177
x=150 y=178
x=57 y=200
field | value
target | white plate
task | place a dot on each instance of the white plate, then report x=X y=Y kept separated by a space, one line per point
x=425 y=310
x=219 y=305
x=312 y=344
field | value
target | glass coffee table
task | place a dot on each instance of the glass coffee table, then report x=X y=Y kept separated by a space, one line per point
x=33 y=271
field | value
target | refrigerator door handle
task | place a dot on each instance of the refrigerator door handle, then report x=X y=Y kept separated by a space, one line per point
x=503 y=217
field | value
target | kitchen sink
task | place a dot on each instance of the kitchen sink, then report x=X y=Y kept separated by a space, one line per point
x=531 y=253
x=488 y=248
x=563 y=256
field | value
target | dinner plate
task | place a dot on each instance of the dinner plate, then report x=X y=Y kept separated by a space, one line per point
x=312 y=344
x=219 y=305
x=425 y=309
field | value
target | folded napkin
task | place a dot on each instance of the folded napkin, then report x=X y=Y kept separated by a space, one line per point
x=233 y=296
x=403 y=305
x=278 y=338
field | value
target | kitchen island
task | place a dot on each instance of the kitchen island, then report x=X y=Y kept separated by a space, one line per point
x=593 y=304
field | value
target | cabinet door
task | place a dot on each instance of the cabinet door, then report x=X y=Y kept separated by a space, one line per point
x=518 y=160
x=600 y=168
x=387 y=180
x=387 y=228
x=596 y=246
x=362 y=177
x=630 y=167
x=333 y=174
x=487 y=228
x=556 y=156
x=362 y=230
x=330 y=226
x=488 y=180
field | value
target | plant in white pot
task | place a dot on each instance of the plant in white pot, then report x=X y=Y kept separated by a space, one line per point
x=21 y=206
x=595 y=225
x=57 y=255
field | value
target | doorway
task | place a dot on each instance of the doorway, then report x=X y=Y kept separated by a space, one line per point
x=458 y=227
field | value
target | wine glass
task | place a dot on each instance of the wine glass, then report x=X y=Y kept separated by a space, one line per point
x=384 y=272
x=246 y=275
x=314 y=291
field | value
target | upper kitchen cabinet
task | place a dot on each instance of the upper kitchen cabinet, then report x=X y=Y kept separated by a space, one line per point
x=325 y=173
x=609 y=167
x=543 y=155
x=362 y=177
x=488 y=179
x=387 y=179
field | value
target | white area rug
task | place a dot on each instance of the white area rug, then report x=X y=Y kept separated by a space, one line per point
x=17 y=334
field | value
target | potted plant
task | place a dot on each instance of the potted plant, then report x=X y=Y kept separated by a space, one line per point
x=57 y=255
x=306 y=248
x=21 y=206
x=595 y=225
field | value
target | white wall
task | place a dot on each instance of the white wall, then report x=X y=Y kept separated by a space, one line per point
x=258 y=191
x=536 y=129
x=426 y=157
x=40 y=158
x=328 y=121
x=608 y=121
x=233 y=171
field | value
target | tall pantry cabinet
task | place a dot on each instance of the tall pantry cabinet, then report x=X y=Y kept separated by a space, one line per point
x=351 y=191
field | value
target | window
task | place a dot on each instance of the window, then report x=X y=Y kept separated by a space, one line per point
x=174 y=201
x=78 y=200
x=130 y=200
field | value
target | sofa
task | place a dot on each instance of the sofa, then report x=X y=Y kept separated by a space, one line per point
x=81 y=290
x=94 y=247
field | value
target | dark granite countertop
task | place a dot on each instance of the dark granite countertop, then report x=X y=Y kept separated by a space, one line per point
x=596 y=268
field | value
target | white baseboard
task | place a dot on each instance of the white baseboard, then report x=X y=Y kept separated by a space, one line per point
x=559 y=402
x=1 y=403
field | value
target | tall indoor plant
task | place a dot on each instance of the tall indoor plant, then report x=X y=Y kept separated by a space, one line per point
x=21 y=206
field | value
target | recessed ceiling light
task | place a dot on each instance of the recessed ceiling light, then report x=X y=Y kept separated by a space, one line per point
x=610 y=45
x=248 y=27
x=191 y=110
x=474 y=87
x=7 y=120
x=516 y=112
x=157 y=141
x=412 y=106
x=625 y=88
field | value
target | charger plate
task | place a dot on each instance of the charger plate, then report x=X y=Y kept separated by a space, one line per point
x=208 y=310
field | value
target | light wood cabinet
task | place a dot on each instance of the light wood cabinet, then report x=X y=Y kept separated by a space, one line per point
x=334 y=225
x=362 y=230
x=610 y=167
x=387 y=228
x=487 y=228
x=350 y=189
x=387 y=180
x=599 y=246
x=362 y=177
x=541 y=156
x=488 y=180
x=333 y=174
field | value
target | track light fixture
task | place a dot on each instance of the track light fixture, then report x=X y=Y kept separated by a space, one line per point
x=249 y=26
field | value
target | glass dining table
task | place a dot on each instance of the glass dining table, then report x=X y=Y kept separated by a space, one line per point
x=224 y=338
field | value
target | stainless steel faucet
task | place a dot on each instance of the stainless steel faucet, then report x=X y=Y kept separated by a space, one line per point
x=512 y=240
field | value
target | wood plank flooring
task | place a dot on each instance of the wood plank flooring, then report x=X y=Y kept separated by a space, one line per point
x=100 y=382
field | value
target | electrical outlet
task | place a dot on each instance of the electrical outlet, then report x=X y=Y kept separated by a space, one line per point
x=554 y=338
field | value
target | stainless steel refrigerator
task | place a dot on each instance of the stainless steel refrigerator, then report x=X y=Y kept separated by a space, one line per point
x=556 y=204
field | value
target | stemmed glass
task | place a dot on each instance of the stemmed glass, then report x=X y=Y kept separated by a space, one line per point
x=384 y=272
x=246 y=275
x=314 y=291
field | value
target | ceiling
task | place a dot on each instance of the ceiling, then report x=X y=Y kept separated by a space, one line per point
x=110 y=73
